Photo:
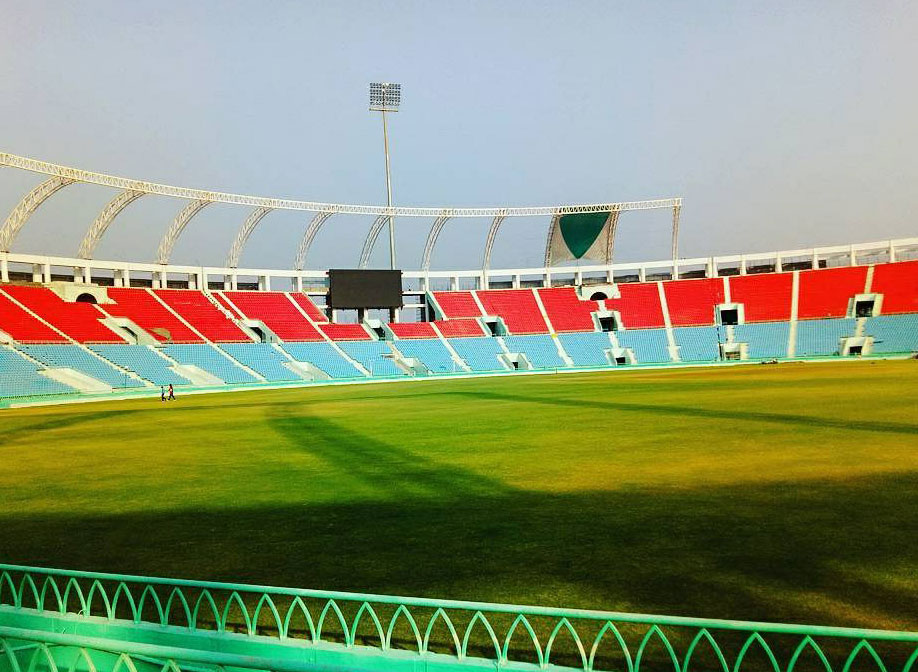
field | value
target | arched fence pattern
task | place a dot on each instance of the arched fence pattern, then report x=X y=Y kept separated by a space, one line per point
x=17 y=655
x=396 y=629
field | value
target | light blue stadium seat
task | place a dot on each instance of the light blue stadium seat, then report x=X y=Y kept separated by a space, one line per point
x=431 y=352
x=698 y=344
x=479 y=353
x=20 y=378
x=893 y=333
x=370 y=354
x=821 y=337
x=207 y=357
x=649 y=345
x=74 y=357
x=765 y=340
x=263 y=358
x=587 y=348
x=143 y=361
x=539 y=349
x=324 y=356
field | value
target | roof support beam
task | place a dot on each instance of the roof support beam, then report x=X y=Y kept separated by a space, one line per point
x=178 y=225
x=489 y=243
x=28 y=205
x=248 y=226
x=308 y=236
x=77 y=175
x=435 y=230
x=611 y=228
x=370 y=241
x=98 y=228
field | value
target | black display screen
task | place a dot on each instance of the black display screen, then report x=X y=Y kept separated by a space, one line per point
x=355 y=288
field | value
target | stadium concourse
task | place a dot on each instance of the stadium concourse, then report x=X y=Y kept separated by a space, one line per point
x=63 y=340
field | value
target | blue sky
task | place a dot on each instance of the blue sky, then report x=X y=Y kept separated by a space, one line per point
x=781 y=124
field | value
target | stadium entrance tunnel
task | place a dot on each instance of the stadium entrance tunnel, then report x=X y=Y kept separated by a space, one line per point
x=606 y=320
x=86 y=297
x=730 y=314
x=865 y=305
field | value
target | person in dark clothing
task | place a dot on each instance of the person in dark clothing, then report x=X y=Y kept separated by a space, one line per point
x=171 y=393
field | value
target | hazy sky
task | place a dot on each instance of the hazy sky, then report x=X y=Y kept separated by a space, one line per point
x=781 y=124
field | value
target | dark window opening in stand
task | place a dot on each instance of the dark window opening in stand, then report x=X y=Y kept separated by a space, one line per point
x=729 y=316
x=598 y=296
x=86 y=298
x=864 y=308
x=607 y=324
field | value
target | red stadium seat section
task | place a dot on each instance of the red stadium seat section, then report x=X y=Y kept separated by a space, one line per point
x=566 y=311
x=223 y=301
x=311 y=309
x=22 y=327
x=345 y=332
x=517 y=307
x=639 y=305
x=691 y=302
x=826 y=292
x=80 y=321
x=898 y=283
x=145 y=310
x=765 y=297
x=196 y=309
x=277 y=311
x=412 y=329
x=459 y=328
x=457 y=304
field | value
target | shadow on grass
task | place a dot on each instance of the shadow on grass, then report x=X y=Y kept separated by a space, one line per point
x=733 y=414
x=827 y=552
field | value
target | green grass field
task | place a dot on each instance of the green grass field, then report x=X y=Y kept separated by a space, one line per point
x=783 y=492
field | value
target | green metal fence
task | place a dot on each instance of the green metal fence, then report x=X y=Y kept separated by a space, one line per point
x=263 y=627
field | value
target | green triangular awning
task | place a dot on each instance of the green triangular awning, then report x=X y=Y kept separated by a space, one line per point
x=581 y=230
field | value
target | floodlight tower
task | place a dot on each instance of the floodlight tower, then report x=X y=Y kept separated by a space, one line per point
x=386 y=97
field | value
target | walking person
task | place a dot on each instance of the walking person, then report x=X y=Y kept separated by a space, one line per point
x=162 y=393
x=171 y=393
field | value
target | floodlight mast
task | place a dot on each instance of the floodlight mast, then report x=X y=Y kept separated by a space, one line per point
x=386 y=97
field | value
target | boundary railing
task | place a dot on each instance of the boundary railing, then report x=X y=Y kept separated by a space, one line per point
x=395 y=631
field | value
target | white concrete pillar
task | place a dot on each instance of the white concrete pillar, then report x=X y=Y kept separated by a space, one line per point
x=299 y=283
x=578 y=278
x=892 y=251
x=742 y=265
x=454 y=283
x=778 y=265
x=264 y=283
x=234 y=281
x=36 y=272
x=516 y=280
x=642 y=274
x=46 y=270
x=4 y=269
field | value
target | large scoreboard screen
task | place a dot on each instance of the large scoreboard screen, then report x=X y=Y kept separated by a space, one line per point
x=357 y=288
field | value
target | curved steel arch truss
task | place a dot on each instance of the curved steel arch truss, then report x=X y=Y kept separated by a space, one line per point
x=308 y=236
x=89 y=177
x=612 y=223
x=175 y=230
x=489 y=243
x=248 y=226
x=371 y=239
x=435 y=230
x=28 y=205
x=98 y=228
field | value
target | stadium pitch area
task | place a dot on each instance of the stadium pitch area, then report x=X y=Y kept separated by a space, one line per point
x=785 y=493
